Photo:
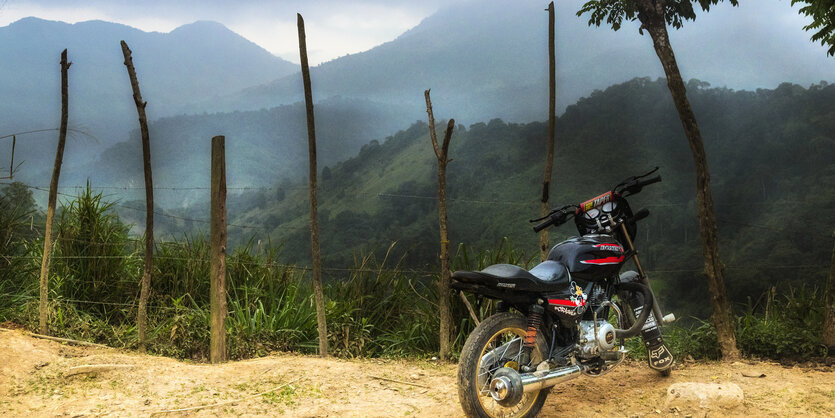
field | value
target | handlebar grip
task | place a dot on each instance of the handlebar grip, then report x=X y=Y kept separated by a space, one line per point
x=548 y=222
x=556 y=219
x=656 y=179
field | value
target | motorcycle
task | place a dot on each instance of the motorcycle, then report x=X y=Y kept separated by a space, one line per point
x=566 y=317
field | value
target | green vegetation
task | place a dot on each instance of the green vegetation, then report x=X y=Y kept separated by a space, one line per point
x=376 y=308
x=771 y=155
x=774 y=180
x=822 y=13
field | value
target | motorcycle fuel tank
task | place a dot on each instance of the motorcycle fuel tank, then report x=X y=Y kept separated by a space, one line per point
x=590 y=257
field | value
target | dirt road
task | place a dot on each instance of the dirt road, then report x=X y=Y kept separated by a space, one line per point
x=35 y=381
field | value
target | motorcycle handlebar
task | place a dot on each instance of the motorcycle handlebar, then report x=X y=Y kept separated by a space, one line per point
x=556 y=218
x=540 y=227
x=647 y=182
x=560 y=216
x=636 y=186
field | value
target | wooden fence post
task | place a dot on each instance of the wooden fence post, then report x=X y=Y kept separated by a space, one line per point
x=829 y=306
x=142 y=315
x=544 y=244
x=53 y=196
x=318 y=293
x=442 y=153
x=217 y=349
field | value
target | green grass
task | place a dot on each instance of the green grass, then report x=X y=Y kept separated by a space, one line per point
x=375 y=308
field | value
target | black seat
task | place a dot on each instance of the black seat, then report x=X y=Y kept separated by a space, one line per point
x=548 y=276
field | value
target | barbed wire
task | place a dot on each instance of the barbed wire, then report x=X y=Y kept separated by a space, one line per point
x=91 y=302
x=391 y=195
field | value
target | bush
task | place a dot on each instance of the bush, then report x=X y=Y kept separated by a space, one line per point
x=787 y=327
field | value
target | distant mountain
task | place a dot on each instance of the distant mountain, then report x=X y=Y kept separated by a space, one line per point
x=262 y=148
x=488 y=59
x=482 y=60
x=194 y=62
x=771 y=154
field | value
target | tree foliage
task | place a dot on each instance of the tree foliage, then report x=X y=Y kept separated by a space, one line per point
x=613 y=12
x=822 y=13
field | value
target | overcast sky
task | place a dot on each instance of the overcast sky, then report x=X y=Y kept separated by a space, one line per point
x=334 y=28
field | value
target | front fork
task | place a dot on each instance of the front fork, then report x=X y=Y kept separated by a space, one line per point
x=659 y=356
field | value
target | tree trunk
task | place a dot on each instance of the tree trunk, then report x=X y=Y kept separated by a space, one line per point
x=829 y=319
x=652 y=18
x=53 y=196
x=217 y=344
x=142 y=314
x=318 y=294
x=442 y=153
x=544 y=243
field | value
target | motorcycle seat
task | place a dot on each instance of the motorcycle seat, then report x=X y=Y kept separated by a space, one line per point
x=548 y=276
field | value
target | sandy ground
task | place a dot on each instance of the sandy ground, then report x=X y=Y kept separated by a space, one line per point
x=34 y=383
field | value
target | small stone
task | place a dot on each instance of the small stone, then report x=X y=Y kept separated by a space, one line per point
x=704 y=395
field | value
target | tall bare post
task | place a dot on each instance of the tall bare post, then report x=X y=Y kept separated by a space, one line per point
x=442 y=153
x=217 y=349
x=53 y=195
x=318 y=294
x=142 y=315
x=544 y=243
x=829 y=308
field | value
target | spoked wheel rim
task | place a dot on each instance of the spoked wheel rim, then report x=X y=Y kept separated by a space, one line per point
x=503 y=349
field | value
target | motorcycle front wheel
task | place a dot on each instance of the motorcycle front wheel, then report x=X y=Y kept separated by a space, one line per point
x=497 y=343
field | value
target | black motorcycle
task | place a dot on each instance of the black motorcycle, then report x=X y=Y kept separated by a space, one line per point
x=553 y=322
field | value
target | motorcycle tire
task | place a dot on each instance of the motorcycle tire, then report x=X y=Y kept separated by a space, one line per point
x=508 y=327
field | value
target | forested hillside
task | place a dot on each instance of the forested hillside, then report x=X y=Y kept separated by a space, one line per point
x=262 y=147
x=771 y=154
x=197 y=61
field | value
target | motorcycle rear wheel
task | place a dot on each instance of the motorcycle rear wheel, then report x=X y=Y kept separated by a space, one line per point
x=494 y=344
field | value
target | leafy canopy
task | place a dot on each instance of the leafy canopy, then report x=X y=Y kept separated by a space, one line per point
x=822 y=13
x=614 y=11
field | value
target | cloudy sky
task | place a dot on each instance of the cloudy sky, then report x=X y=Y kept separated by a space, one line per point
x=334 y=28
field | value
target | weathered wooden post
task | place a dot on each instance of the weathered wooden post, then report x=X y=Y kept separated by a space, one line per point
x=53 y=196
x=544 y=243
x=318 y=293
x=217 y=349
x=142 y=315
x=829 y=306
x=442 y=153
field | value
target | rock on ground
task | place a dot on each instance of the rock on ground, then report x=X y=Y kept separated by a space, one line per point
x=704 y=395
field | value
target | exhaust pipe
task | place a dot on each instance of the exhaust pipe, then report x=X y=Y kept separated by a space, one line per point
x=531 y=382
x=508 y=386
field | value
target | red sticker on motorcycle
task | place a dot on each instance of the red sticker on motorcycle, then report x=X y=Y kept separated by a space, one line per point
x=604 y=261
x=597 y=201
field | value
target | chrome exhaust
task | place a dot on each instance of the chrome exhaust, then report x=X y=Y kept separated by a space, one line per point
x=542 y=380
x=508 y=386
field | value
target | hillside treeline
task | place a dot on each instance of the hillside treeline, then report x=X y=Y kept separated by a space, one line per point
x=773 y=170
x=771 y=155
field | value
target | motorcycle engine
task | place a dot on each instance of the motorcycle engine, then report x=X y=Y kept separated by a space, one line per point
x=592 y=342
